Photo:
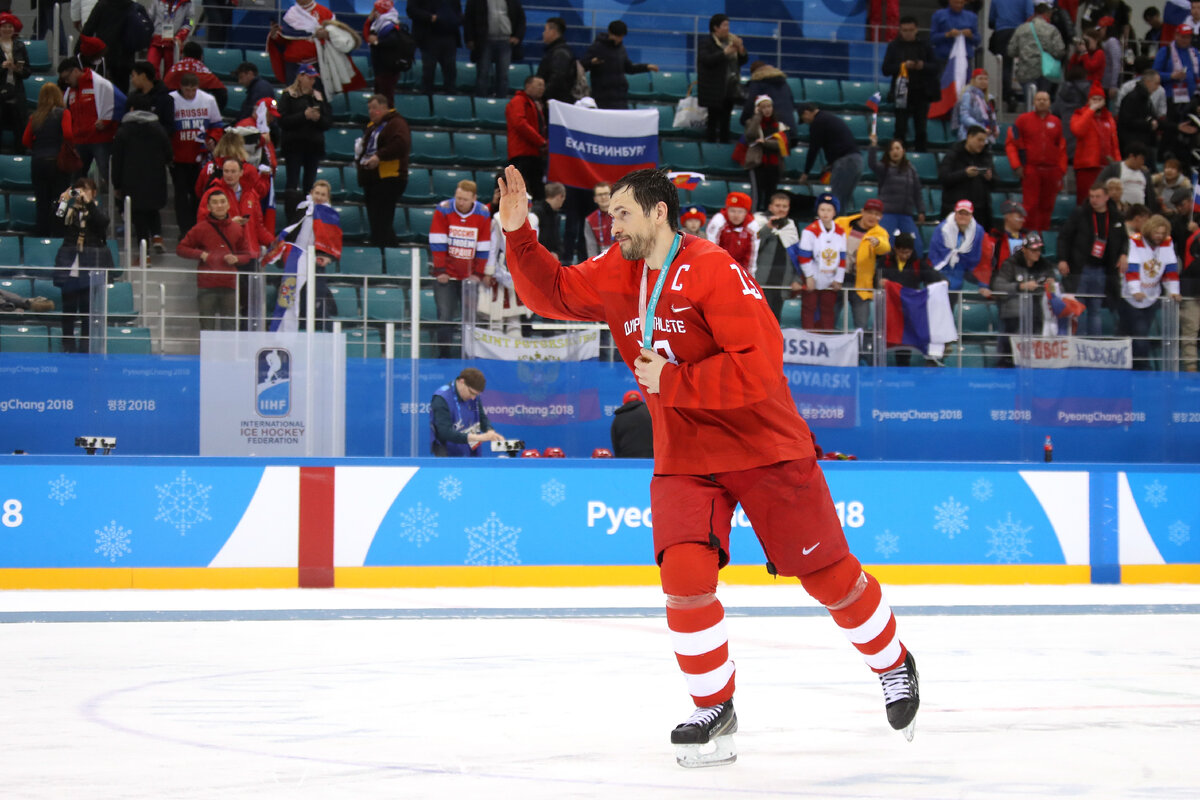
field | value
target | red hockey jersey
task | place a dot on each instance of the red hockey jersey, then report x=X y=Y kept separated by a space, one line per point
x=724 y=402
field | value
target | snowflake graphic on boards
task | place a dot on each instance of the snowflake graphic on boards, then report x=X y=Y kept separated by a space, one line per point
x=1156 y=493
x=1008 y=540
x=1180 y=533
x=981 y=490
x=450 y=488
x=62 y=490
x=887 y=544
x=492 y=544
x=553 y=492
x=183 y=503
x=112 y=541
x=950 y=517
x=418 y=525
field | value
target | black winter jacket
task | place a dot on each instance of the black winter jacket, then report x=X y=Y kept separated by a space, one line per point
x=557 y=69
x=608 y=63
x=141 y=153
x=298 y=130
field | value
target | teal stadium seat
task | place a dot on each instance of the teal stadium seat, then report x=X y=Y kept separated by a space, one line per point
x=477 y=149
x=640 y=87
x=797 y=87
x=1064 y=206
x=337 y=190
x=1005 y=175
x=397 y=262
x=736 y=126
x=710 y=195
x=489 y=113
x=445 y=181
x=385 y=304
x=464 y=77
x=428 y=306
x=681 y=155
x=223 y=61
x=825 y=92
x=363 y=343
x=33 y=85
x=40 y=252
x=354 y=192
x=38 y=53
x=44 y=287
x=363 y=62
x=415 y=108
x=860 y=126
x=360 y=261
x=926 y=166
x=418 y=188
x=718 y=160
x=862 y=193
x=453 y=111
x=934 y=210
x=419 y=221
x=1050 y=240
x=400 y=224
x=120 y=301
x=262 y=60
x=789 y=317
x=356 y=105
x=22 y=212
x=517 y=73
x=432 y=148
x=855 y=94
x=339 y=143
x=885 y=128
x=670 y=86
x=233 y=101
x=939 y=134
x=978 y=317
x=18 y=286
x=129 y=341
x=345 y=302
x=354 y=225
x=24 y=339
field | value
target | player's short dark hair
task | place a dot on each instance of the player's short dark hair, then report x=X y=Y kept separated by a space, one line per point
x=618 y=28
x=559 y=24
x=651 y=187
x=192 y=49
x=909 y=19
x=473 y=378
x=246 y=66
x=145 y=69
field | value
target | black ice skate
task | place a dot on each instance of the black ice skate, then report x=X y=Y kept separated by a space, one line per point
x=902 y=696
x=705 y=739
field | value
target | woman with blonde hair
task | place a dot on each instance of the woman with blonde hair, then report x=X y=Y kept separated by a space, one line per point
x=47 y=129
x=304 y=116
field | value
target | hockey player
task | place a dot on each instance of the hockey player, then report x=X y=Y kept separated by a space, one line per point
x=735 y=230
x=698 y=335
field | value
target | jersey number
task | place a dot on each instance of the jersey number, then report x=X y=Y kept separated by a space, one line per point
x=748 y=285
x=664 y=347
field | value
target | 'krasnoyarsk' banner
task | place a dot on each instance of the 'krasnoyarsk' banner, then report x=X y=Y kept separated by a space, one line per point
x=1062 y=352
x=591 y=145
x=827 y=349
x=569 y=346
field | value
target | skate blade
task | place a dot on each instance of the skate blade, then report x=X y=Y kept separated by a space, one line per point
x=910 y=730
x=715 y=753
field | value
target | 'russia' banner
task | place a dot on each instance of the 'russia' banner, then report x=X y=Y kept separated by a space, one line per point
x=954 y=78
x=591 y=145
x=920 y=318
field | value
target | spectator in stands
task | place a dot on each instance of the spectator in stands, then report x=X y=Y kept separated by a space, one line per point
x=966 y=174
x=1110 y=42
x=719 y=59
x=1137 y=184
x=1178 y=64
x=1092 y=257
x=557 y=67
x=597 y=228
x=193 y=61
x=608 y=64
x=899 y=189
x=292 y=42
x=1114 y=189
x=905 y=267
x=947 y=24
x=141 y=155
x=256 y=86
x=1090 y=55
x=107 y=23
x=1189 y=305
x=1004 y=17
x=547 y=211
x=1167 y=182
x=460 y=237
x=1029 y=40
x=92 y=101
x=457 y=419
x=735 y=229
x=956 y=247
x=1152 y=269
x=231 y=145
x=47 y=129
x=245 y=206
x=80 y=10
x=974 y=110
x=84 y=247
x=1005 y=241
x=773 y=266
x=196 y=114
x=693 y=219
x=304 y=116
x=772 y=82
x=631 y=432
x=389 y=57
x=1071 y=96
x=493 y=31
x=866 y=241
x=1141 y=111
x=14 y=69
x=383 y=168
x=526 y=123
x=1183 y=224
x=1037 y=152
x=172 y=26
x=1095 y=141
x=821 y=256
x=1135 y=218
x=1152 y=16
x=1027 y=271
x=144 y=80
x=220 y=246
x=218 y=21
x=436 y=26
x=913 y=68
x=829 y=134
x=765 y=142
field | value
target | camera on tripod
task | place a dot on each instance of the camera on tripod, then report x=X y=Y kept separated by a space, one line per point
x=509 y=447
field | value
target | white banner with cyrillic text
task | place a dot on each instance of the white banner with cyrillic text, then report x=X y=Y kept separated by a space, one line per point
x=826 y=349
x=570 y=346
x=1064 y=352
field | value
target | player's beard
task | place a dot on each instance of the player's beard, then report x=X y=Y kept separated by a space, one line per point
x=636 y=247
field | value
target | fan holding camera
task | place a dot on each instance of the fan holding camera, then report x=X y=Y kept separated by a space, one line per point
x=84 y=247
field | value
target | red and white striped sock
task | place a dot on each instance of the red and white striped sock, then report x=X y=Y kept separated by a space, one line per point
x=868 y=622
x=702 y=648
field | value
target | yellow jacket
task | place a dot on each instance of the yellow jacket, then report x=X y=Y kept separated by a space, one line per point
x=864 y=259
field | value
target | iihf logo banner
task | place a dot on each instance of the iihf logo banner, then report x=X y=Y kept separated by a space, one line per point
x=591 y=145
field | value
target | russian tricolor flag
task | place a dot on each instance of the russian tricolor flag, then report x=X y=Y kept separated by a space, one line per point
x=686 y=180
x=1175 y=13
x=320 y=228
x=954 y=78
x=920 y=318
x=873 y=102
x=591 y=145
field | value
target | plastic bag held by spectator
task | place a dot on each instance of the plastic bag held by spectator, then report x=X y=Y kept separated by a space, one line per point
x=688 y=111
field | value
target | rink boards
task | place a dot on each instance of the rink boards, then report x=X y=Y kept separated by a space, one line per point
x=101 y=522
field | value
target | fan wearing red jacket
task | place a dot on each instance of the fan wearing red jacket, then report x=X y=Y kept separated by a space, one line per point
x=1038 y=135
x=695 y=330
x=526 y=123
x=219 y=244
x=1096 y=143
x=245 y=206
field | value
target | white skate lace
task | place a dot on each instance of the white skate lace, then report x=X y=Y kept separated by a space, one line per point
x=895 y=684
x=704 y=716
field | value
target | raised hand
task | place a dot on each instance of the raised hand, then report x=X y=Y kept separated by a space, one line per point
x=514 y=207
